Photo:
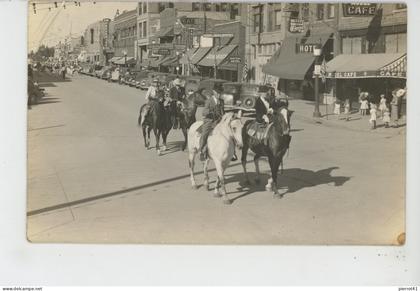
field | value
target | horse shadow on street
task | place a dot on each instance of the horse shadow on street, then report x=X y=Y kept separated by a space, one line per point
x=293 y=179
x=172 y=147
x=48 y=100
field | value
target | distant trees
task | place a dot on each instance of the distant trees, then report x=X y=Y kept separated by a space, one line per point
x=42 y=52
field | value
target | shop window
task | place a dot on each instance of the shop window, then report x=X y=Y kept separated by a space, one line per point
x=331 y=11
x=396 y=43
x=259 y=49
x=196 y=6
x=254 y=51
x=320 y=11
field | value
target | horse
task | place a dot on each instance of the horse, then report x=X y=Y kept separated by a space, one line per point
x=221 y=145
x=186 y=113
x=168 y=120
x=278 y=143
x=150 y=118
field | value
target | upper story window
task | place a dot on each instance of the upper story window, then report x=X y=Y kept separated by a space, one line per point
x=277 y=19
x=396 y=43
x=145 y=29
x=319 y=11
x=140 y=8
x=257 y=19
x=207 y=6
x=171 y=4
x=161 y=7
x=305 y=11
x=196 y=6
x=401 y=6
x=234 y=10
x=92 y=31
x=144 y=7
x=331 y=11
x=141 y=29
x=223 y=7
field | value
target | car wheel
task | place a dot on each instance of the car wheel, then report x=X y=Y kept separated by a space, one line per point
x=248 y=102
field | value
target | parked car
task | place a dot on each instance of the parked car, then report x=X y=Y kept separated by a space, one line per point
x=144 y=83
x=211 y=84
x=106 y=74
x=115 y=75
x=244 y=94
x=191 y=84
x=140 y=75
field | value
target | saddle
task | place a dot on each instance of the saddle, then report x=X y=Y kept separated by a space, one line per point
x=200 y=128
x=259 y=131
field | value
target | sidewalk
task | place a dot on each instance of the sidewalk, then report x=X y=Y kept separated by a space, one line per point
x=303 y=110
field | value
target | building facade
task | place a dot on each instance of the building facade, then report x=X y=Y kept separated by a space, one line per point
x=95 y=42
x=125 y=36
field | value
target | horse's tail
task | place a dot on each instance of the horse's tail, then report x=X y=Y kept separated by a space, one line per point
x=141 y=115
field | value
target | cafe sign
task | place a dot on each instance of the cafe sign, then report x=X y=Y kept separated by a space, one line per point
x=359 y=9
x=367 y=74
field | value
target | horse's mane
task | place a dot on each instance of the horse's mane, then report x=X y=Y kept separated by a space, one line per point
x=278 y=119
x=226 y=119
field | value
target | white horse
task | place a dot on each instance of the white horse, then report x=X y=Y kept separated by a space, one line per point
x=221 y=147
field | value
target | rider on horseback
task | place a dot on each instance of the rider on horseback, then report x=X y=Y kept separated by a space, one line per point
x=154 y=94
x=212 y=113
x=263 y=109
x=177 y=92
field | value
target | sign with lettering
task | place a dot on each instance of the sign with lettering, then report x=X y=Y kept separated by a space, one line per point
x=162 y=52
x=235 y=60
x=296 y=25
x=187 y=20
x=307 y=48
x=359 y=9
x=367 y=74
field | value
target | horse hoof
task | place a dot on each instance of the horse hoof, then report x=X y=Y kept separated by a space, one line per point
x=227 y=202
x=195 y=187
x=217 y=195
x=257 y=181
x=278 y=196
x=268 y=188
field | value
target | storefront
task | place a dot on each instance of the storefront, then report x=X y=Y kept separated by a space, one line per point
x=373 y=73
x=293 y=64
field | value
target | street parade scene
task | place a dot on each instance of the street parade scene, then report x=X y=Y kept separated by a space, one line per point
x=217 y=123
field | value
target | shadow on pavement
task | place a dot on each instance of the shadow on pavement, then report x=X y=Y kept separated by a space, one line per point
x=293 y=179
x=47 y=101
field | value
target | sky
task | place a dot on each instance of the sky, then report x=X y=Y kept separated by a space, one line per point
x=49 y=27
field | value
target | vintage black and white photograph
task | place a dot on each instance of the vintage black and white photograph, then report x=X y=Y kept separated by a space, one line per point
x=250 y=123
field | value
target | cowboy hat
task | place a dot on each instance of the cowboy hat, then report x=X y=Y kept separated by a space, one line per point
x=178 y=82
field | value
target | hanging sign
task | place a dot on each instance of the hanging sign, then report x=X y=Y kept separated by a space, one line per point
x=359 y=9
x=307 y=48
x=235 y=60
x=296 y=25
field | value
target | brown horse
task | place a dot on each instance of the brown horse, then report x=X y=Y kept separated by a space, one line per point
x=186 y=113
x=278 y=140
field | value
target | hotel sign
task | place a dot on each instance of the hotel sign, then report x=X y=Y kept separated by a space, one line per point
x=359 y=9
x=307 y=48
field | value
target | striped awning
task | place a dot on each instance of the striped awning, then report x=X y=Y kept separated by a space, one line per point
x=199 y=54
x=186 y=58
x=217 y=55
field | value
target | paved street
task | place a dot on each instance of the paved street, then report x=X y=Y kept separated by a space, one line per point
x=90 y=179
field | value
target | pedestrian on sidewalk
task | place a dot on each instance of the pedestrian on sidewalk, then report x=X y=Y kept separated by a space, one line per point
x=347 y=109
x=382 y=105
x=337 y=108
x=394 y=109
x=372 y=119
x=364 y=106
x=386 y=118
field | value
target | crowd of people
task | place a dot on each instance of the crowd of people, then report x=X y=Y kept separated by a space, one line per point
x=389 y=110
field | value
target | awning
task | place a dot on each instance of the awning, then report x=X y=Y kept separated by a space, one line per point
x=114 y=59
x=199 y=54
x=367 y=66
x=217 y=56
x=186 y=58
x=169 y=61
x=168 y=31
x=124 y=60
x=287 y=63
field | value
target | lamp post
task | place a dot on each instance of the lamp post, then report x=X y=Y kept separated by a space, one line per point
x=177 y=62
x=317 y=70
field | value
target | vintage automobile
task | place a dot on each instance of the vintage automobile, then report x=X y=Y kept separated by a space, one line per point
x=244 y=95
x=115 y=75
x=100 y=73
x=106 y=75
x=138 y=77
x=210 y=84
x=144 y=83
x=191 y=84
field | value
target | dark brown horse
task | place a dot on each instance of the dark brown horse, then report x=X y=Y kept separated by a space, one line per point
x=278 y=140
x=186 y=113
x=150 y=118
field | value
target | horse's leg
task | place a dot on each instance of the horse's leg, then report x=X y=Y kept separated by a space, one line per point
x=269 y=185
x=243 y=160
x=184 y=132
x=257 y=169
x=164 y=136
x=206 y=174
x=220 y=173
x=156 y=131
x=191 y=160
x=216 y=188
x=274 y=170
x=144 y=136
x=149 y=129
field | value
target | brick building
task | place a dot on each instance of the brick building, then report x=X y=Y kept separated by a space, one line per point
x=125 y=37
x=95 y=41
